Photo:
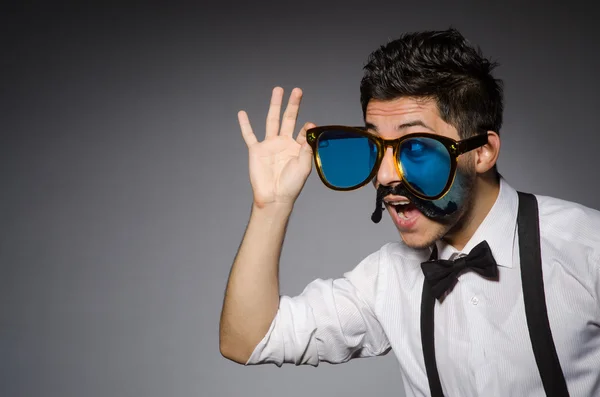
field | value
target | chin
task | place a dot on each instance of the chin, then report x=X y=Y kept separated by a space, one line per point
x=425 y=237
x=416 y=242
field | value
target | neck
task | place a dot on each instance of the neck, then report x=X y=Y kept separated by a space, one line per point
x=485 y=193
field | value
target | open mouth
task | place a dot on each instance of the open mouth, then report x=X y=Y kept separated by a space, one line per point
x=403 y=207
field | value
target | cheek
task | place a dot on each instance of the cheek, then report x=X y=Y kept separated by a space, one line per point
x=458 y=193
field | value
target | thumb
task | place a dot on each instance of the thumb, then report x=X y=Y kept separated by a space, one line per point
x=305 y=156
x=305 y=152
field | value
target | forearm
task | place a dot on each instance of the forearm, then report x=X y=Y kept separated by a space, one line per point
x=252 y=294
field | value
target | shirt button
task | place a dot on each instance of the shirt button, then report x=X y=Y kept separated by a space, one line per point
x=474 y=301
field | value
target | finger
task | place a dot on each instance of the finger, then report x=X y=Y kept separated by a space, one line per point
x=305 y=156
x=246 y=128
x=301 y=138
x=274 y=112
x=288 y=124
x=306 y=153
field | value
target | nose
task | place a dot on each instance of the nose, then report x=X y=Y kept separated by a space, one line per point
x=387 y=174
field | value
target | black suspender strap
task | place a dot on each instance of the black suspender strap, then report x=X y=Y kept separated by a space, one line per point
x=535 y=307
x=427 y=338
x=535 y=299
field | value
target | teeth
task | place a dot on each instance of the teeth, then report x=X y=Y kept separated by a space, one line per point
x=403 y=202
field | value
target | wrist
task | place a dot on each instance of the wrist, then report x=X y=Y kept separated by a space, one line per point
x=272 y=211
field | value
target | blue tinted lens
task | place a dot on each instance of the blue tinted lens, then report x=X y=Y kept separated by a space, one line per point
x=426 y=165
x=347 y=158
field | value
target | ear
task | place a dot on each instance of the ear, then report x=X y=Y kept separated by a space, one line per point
x=487 y=155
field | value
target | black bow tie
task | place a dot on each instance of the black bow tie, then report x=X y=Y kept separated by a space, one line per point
x=442 y=274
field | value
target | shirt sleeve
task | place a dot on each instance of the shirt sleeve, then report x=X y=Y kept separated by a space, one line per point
x=330 y=321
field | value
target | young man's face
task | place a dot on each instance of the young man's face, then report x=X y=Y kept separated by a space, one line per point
x=420 y=223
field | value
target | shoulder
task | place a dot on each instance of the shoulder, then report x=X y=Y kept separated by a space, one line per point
x=570 y=238
x=569 y=222
x=390 y=255
x=391 y=266
x=395 y=252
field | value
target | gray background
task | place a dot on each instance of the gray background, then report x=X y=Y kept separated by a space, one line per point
x=124 y=182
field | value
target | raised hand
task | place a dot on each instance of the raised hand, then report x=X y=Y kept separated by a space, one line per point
x=280 y=164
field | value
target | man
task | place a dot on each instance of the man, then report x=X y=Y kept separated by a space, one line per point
x=459 y=299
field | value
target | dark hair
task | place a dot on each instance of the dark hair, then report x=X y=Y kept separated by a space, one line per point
x=438 y=65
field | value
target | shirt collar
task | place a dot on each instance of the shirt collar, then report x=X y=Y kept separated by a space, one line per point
x=498 y=229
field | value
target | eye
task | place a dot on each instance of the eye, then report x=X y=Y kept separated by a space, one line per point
x=415 y=150
x=415 y=146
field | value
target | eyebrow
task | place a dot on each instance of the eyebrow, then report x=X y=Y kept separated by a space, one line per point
x=402 y=126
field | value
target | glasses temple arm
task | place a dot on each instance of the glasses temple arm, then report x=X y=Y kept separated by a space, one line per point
x=469 y=144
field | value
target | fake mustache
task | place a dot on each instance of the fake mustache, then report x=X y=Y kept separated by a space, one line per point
x=429 y=208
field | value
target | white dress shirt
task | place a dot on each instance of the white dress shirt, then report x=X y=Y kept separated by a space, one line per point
x=482 y=343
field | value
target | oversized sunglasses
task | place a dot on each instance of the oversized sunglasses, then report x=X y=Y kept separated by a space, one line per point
x=347 y=158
